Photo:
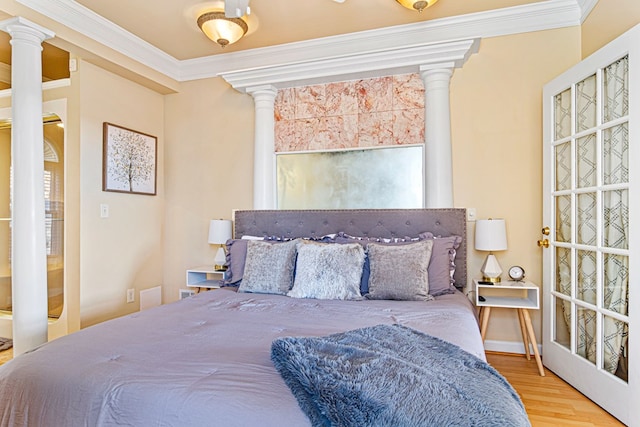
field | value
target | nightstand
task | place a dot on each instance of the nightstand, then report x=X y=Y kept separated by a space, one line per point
x=521 y=296
x=204 y=277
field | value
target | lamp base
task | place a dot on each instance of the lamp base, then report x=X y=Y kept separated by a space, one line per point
x=491 y=270
x=220 y=260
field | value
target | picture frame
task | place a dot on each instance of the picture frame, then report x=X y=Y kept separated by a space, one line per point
x=129 y=160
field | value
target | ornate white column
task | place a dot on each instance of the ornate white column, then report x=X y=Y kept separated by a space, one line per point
x=29 y=259
x=438 y=185
x=264 y=164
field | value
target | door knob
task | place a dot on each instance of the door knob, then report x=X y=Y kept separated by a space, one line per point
x=546 y=231
x=543 y=243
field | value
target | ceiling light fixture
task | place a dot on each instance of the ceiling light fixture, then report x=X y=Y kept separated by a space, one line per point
x=220 y=29
x=417 y=5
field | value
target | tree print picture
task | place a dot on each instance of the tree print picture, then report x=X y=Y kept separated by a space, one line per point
x=129 y=161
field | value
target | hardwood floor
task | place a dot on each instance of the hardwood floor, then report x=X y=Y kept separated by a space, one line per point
x=5 y=356
x=549 y=400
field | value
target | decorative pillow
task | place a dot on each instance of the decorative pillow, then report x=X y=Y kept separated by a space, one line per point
x=236 y=256
x=328 y=271
x=326 y=238
x=342 y=238
x=400 y=272
x=269 y=267
x=442 y=265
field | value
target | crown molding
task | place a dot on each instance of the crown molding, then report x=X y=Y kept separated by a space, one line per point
x=586 y=6
x=538 y=16
x=357 y=66
x=543 y=15
x=88 y=23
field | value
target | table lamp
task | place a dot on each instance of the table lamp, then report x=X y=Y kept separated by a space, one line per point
x=491 y=235
x=219 y=233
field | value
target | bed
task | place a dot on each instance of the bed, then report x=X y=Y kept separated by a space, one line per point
x=209 y=359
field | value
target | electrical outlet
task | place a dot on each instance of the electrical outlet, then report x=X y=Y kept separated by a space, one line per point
x=131 y=295
x=104 y=211
x=186 y=293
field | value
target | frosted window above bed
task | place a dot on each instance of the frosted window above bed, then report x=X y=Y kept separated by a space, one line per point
x=367 y=178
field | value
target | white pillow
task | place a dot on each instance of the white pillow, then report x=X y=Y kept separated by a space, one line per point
x=328 y=271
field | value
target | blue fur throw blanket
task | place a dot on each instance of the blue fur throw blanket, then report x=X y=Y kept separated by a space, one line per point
x=391 y=375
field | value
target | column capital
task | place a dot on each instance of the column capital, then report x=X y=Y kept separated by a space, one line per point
x=263 y=91
x=20 y=26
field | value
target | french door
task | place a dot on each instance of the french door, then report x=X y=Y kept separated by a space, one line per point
x=590 y=196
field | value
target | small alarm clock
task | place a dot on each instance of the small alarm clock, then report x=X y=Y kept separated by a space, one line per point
x=516 y=273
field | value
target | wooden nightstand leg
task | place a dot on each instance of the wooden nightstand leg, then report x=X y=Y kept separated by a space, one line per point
x=525 y=337
x=486 y=311
x=532 y=337
x=480 y=316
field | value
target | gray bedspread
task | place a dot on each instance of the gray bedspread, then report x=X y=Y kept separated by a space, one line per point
x=394 y=376
x=202 y=361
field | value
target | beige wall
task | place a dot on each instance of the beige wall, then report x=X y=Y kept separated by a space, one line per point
x=124 y=250
x=608 y=20
x=209 y=171
x=496 y=115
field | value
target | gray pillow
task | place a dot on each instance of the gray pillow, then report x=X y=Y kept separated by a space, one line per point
x=269 y=268
x=236 y=256
x=442 y=264
x=328 y=271
x=400 y=272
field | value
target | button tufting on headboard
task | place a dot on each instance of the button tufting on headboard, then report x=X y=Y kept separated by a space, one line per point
x=386 y=223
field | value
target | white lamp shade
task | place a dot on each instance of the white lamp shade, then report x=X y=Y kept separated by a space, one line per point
x=491 y=235
x=219 y=231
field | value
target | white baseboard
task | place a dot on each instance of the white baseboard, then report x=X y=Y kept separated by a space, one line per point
x=507 y=346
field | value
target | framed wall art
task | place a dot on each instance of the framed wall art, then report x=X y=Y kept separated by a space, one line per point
x=129 y=161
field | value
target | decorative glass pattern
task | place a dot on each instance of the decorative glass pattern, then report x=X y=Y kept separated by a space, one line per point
x=561 y=333
x=615 y=97
x=563 y=218
x=563 y=166
x=586 y=275
x=586 y=333
x=616 y=283
x=586 y=161
x=563 y=273
x=615 y=154
x=615 y=219
x=586 y=104
x=586 y=218
x=562 y=114
x=615 y=335
x=596 y=120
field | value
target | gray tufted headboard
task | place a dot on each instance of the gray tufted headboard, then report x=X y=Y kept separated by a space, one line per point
x=359 y=222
